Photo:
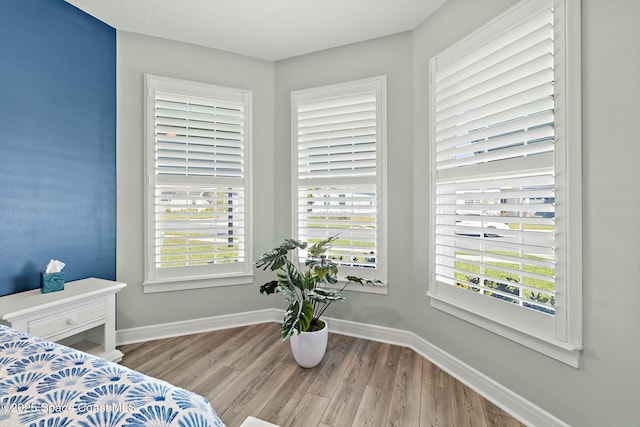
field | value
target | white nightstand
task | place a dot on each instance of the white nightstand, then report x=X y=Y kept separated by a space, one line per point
x=82 y=316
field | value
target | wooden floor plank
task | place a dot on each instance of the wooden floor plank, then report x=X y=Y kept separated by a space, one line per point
x=340 y=351
x=308 y=412
x=344 y=403
x=152 y=357
x=373 y=408
x=188 y=368
x=216 y=380
x=253 y=388
x=468 y=410
x=435 y=406
x=245 y=355
x=384 y=375
x=250 y=371
x=496 y=420
x=497 y=417
x=254 y=400
x=431 y=374
x=285 y=400
x=405 y=402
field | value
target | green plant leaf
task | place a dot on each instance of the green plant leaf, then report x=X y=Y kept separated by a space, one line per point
x=360 y=280
x=309 y=280
x=277 y=257
x=356 y=279
x=322 y=267
x=290 y=276
x=290 y=320
x=292 y=244
x=331 y=279
x=271 y=260
x=297 y=318
x=288 y=291
x=325 y=296
x=306 y=314
x=321 y=247
x=269 y=288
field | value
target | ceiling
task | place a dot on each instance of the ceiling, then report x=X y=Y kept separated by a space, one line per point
x=267 y=29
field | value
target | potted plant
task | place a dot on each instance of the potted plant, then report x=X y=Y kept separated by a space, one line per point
x=307 y=294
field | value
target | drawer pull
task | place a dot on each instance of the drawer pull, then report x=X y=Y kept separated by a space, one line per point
x=72 y=321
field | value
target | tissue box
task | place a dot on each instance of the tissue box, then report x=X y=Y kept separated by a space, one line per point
x=52 y=282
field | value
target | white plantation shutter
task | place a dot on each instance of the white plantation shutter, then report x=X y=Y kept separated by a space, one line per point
x=495 y=166
x=198 y=180
x=199 y=136
x=498 y=145
x=339 y=134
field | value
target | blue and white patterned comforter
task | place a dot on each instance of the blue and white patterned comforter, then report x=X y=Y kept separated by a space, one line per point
x=43 y=384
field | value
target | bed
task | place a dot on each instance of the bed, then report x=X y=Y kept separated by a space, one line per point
x=43 y=384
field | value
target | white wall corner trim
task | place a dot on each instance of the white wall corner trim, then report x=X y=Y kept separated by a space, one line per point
x=519 y=407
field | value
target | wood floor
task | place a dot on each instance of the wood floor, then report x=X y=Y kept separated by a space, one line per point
x=250 y=371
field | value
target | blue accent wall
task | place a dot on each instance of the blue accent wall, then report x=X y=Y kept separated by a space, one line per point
x=57 y=143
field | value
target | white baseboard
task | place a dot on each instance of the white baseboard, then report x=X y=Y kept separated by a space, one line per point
x=206 y=324
x=520 y=408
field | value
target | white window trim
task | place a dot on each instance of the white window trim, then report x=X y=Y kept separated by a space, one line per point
x=565 y=344
x=195 y=281
x=338 y=89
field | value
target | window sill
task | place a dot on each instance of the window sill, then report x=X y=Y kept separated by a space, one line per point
x=199 y=282
x=568 y=354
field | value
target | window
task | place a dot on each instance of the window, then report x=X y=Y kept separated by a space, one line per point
x=198 y=225
x=505 y=132
x=339 y=143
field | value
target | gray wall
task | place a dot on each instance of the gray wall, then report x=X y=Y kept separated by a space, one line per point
x=605 y=389
x=137 y=55
x=390 y=56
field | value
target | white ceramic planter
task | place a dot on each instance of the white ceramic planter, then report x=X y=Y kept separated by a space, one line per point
x=308 y=348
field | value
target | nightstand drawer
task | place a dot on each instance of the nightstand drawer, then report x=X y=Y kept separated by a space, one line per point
x=57 y=324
